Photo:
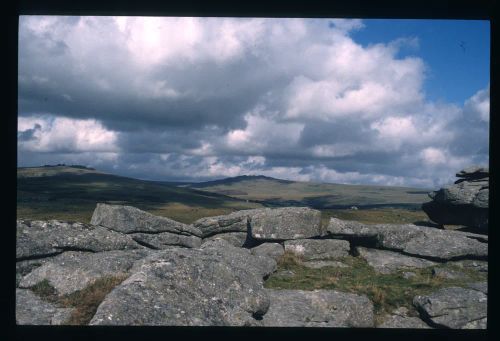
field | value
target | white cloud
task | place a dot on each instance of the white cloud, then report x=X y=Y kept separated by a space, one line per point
x=478 y=106
x=66 y=135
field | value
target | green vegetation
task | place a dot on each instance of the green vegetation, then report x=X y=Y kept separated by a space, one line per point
x=85 y=302
x=376 y=215
x=386 y=291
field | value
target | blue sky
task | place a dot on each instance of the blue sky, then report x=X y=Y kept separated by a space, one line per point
x=386 y=102
x=456 y=51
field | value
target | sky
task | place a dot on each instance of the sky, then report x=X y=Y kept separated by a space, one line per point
x=385 y=102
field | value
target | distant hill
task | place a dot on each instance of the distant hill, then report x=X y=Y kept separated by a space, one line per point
x=71 y=193
x=49 y=170
x=237 y=180
x=276 y=192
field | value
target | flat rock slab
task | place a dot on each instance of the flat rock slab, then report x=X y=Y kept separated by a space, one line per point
x=73 y=271
x=387 y=262
x=165 y=239
x=454 y=307
x=319 y=308
x=285 y=223
x=47 y=238
x=128 y=219
x=31 y=310
x=480 y=286
x=215 y=285
x=273 y=250
x=316 y=249
x=413 y=240
x=238 y=239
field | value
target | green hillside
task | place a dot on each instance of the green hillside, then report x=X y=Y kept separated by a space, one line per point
x=71 y=193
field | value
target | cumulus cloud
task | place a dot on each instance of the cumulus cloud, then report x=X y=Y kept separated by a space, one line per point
x=204 y=98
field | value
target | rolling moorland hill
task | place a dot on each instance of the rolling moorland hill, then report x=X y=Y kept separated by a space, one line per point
x=71 y=193
x=279 y=192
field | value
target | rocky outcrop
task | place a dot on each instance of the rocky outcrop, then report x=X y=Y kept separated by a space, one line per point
x=315 y=249
x=216 y=285
x=318 y=308
x=454 y=307
x=387 y=262
x=45 y=238
x=30 y=309
x=73 y=271
x=463 y=203
x=128 y=219
x=419 y=241
x=285 y=223
x=176 y=278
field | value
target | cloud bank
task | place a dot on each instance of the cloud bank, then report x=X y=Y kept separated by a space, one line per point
x=205 y=98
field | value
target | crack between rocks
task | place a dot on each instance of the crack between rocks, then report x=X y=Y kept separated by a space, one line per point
x=35 y=257
x=143 y=243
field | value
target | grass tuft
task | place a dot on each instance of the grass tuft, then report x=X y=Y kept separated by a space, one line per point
x=84 y=302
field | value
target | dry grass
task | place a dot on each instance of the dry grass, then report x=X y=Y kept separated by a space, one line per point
x=290 y=259
x=386 y=291
x=84 y=302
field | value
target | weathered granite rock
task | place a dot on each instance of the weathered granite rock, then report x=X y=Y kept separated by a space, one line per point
x=215 y=285
x=318 y=308
x=463 y=203
x=315 y=249
x=454 y=307
x=413 y=240
x=318 y=264
x=400 y=319
x=238 y=239
x=285 y=223
x=265 y=223
x=165 y=239
x=273 y=250
x=72 y=271
x=46 y=238
x=31 y=310
x=387 y=262
x=234 y=222
x=447 y=273
x=480 y=286
x=128 y=219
